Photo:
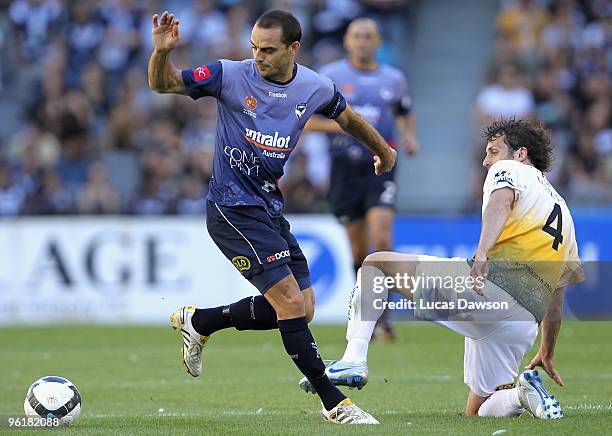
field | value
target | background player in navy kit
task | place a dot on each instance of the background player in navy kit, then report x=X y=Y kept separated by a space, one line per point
x=263 y=105
x=364 y=204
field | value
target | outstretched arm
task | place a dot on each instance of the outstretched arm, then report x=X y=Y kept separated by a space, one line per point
x=551 y=324
x=354 y=124
x=164 y=77
x=318 y=123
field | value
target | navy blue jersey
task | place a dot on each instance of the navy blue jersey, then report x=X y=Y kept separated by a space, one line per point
x=378 y=96
x=258 y=126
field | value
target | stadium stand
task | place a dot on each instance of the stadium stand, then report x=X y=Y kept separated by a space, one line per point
x=83 y=134
x=553 y=60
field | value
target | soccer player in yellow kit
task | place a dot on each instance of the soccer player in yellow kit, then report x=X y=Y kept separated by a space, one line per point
x=526 y=256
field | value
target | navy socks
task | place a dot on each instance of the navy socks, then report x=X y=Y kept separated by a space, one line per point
x=302 y=348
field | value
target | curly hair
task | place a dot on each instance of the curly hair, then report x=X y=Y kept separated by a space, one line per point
x=531 y=134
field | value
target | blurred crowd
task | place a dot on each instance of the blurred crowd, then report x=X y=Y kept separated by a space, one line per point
x=82 y=133
x=553 y=60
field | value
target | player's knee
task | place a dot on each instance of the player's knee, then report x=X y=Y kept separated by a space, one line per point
x=286 y=299
x=293 y=304
x=378 y=259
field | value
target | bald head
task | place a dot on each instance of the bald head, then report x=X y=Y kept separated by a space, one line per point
x=363 y=24
x=361 y=40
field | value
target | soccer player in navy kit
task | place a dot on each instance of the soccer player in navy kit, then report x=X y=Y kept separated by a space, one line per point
x=263 y=105
x=363 y=203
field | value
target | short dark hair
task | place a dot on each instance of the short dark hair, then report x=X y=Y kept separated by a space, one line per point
x=292 y=31
x=531 y=134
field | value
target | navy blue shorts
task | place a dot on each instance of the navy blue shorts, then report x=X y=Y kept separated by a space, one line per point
x=262 y=248
x=354 y=189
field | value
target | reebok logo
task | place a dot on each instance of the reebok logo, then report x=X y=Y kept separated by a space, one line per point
x=277 y=94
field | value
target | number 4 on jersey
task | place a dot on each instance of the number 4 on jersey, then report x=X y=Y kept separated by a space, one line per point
x=555 y=232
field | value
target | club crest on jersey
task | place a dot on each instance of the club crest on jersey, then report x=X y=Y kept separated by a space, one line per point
x=201 y=73
x=250 y=104
x=299 y=110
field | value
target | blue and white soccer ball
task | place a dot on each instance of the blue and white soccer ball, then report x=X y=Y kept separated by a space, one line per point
x=53 y=397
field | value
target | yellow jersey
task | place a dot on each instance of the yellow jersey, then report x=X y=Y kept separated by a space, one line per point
x=538 y=243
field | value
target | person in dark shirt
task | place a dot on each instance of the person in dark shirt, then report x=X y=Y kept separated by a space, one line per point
x=263 y=105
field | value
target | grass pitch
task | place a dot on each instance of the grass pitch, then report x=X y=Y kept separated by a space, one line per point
x=131 y=382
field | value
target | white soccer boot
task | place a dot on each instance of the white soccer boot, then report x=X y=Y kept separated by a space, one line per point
x=193 y=342
x=535 y=398
x=341 y=374
x=348 y=413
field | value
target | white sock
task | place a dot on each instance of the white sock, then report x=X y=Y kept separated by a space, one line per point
x=359 y=331
x=504 y=403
